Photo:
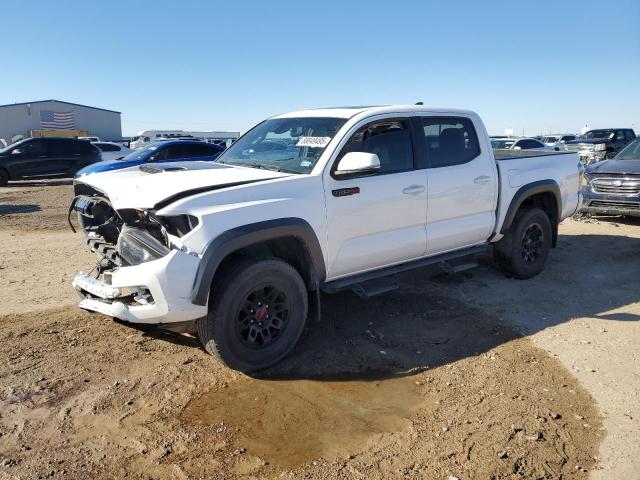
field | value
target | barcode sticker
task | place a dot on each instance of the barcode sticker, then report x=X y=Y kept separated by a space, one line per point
x=313 y=142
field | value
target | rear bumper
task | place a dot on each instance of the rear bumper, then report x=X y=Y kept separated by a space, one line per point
x=153 y=292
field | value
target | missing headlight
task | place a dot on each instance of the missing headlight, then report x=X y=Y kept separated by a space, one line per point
x=135 y=246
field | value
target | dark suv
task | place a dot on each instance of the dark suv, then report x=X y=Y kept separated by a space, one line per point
x=596 y=145
x=45 y=157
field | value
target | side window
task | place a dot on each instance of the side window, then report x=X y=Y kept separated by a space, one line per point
x=32 y=148
x=181 y=150
x=159 y=156
x=60 y=147
x=620 y=135
x=450 y=141
x=389 y=139
x=568 y=138
x=204 y=150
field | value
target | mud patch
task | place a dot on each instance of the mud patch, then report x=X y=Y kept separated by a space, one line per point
x=82 y=396
x=291 y=423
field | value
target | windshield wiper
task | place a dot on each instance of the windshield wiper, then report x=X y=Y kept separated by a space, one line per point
x=272 y=168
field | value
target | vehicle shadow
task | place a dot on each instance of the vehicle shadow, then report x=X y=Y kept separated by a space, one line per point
x=435 y=319
x=13 y=209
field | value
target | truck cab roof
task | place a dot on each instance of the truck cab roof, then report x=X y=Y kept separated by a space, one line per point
x=349 y=112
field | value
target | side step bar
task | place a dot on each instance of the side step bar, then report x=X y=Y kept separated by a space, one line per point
x=362 y=283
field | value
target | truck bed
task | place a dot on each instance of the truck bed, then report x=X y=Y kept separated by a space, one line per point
x=519 y=168
x=507 y=154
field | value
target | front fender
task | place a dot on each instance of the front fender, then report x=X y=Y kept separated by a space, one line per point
x=246 y=235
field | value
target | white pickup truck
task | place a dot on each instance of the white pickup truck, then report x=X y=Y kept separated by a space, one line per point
x=310 y=201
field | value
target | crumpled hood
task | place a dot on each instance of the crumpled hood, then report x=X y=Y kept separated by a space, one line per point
x=136 y=188
x=631 y=167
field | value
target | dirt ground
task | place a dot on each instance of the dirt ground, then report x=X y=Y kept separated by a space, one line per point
x=472 y=376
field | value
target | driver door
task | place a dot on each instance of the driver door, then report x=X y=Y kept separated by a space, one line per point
x=377 y=220
x=29 y=159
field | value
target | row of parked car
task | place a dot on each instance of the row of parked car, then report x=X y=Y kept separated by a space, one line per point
x=611 y=180
x=593 y=146
x=611 y=184
x=68 y=157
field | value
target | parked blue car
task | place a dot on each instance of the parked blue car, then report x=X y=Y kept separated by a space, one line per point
x=168 y=151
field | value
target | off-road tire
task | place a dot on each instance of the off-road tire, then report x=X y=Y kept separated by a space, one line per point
x=524 y=249
x=222 y=331
x=4 y=177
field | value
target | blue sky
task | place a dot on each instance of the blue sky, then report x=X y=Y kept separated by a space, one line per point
x=204 y=65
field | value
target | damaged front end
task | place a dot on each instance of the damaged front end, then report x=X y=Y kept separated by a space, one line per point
x=141 y=275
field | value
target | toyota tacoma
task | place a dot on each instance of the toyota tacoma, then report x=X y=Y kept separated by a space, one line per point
x=311 y=201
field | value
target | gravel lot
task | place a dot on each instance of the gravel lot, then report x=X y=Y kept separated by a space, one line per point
x=474 y=375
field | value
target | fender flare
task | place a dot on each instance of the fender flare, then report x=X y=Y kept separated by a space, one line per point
x=246 y=235
x=527 y=191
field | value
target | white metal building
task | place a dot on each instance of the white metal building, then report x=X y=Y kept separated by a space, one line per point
x=22 y=118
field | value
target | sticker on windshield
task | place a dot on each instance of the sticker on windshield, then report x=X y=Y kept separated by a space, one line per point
x=305 y=163
x=313 y=142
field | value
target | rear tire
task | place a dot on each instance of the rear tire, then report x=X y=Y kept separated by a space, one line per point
x=4 y=177
x=523 y=251
x=257 y=311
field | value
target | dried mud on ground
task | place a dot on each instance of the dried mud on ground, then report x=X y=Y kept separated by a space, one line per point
x=35 y=205
x=85 y=397
x=412 y=384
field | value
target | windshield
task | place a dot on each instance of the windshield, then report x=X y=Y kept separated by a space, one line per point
x=550 y=139
x=11 y=145
x=597 y=134
x=502 y=143
x=291 y=145
x=630 y=152
x=141 y=153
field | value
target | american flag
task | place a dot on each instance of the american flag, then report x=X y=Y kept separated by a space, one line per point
x=56 y=120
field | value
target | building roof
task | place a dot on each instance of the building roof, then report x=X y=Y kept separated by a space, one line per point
x=59 y=101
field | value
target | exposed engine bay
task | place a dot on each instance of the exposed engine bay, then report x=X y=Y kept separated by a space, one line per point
x=127 y=236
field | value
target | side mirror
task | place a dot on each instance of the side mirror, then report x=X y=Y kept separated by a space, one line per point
x=16 y=151
x=357 y=164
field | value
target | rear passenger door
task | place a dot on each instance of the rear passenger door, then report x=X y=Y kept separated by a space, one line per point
x=462 y=183
x=62 y=154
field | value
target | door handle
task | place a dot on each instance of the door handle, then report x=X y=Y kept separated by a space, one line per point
x=482 y=179
x=414 y=190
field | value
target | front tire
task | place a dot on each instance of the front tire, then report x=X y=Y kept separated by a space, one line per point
x=257 y=311
x=523 y=251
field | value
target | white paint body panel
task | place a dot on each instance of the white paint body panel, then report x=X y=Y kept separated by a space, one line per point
x=446 y=209
x=462 y=200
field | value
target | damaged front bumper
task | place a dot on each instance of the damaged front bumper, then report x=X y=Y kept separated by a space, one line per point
x=154 y=292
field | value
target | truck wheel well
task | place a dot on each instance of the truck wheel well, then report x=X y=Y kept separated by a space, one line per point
x=289 y=249
x=547 y=202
